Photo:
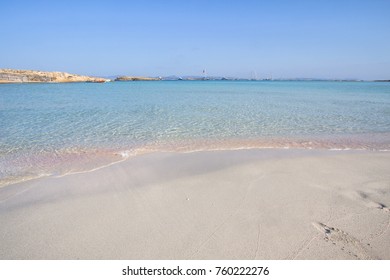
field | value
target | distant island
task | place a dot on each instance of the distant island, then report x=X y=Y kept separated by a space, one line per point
x=35 y=76
x=130 y=78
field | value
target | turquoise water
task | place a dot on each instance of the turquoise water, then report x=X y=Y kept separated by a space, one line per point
x=59 y=128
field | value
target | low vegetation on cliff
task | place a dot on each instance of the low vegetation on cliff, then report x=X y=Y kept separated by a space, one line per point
x=32 y=76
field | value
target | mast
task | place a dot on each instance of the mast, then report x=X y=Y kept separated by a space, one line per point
x=254 y=76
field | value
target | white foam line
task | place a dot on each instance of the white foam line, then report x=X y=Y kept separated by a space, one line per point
x=90 y=170
x=21 y=180
x=124 y=154
x=24 y=190
x=127 y=154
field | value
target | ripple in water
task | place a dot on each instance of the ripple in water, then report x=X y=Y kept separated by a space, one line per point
x=54 y=129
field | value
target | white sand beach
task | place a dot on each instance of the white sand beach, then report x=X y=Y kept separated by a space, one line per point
x=244 y=204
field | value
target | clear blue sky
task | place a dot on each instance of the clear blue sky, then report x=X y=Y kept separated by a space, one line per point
x=325 y=39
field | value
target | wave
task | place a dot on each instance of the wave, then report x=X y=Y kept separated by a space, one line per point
x=21 y=167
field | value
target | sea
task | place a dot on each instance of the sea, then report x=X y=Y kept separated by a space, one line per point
x=49 y=129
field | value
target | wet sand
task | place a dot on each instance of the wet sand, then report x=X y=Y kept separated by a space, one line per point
x=244 y=204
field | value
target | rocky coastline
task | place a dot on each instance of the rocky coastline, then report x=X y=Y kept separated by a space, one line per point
x=32 y=76
x=131 y=78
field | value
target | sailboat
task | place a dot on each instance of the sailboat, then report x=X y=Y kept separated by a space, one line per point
x=205 y=75
x=254 y=76
x=269 y=78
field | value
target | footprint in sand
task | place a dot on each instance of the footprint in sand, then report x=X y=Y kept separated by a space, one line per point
x=343 y=240
x=372 y=204
x=367 y=201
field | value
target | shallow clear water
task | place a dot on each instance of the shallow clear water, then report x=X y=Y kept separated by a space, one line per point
x=59 y=128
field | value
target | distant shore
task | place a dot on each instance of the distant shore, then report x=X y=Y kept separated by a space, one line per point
x=9 y=76
x=32 y=76
x=247 y=204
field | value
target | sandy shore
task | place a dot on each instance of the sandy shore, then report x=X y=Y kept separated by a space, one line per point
x=246 y=204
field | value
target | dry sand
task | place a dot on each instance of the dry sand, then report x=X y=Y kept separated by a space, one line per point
x=246 y=204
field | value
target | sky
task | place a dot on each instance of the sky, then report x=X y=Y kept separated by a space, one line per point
x=286 y=39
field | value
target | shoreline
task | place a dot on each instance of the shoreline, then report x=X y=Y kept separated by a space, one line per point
x=106 y=158
x=82 y=159
x=292 y=203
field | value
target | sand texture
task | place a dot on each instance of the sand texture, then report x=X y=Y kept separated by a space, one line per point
x=246 y=204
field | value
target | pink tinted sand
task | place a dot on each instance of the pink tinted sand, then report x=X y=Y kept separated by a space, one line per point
x=243 y=204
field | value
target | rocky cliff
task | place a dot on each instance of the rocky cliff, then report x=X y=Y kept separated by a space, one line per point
x=31 y=76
